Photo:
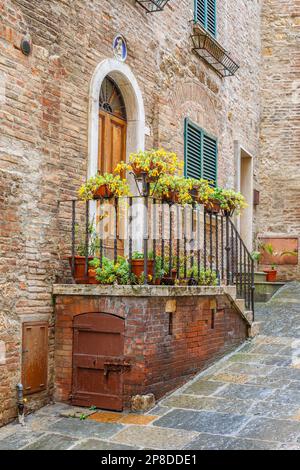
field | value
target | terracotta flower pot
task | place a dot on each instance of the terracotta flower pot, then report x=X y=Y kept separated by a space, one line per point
x=271 y=275
x=103 y=192
x=169 y=281
x=137 y=267
x=212 y=207
x=92 y=276
x=137 y=170
x=171 y=197
x=79 y=269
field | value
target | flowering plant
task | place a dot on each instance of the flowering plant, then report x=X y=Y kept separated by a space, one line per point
x=201 y=191
x=173 y=188
x=152 y=162
x=113 y=185
x=229 y=200
x=110 y=272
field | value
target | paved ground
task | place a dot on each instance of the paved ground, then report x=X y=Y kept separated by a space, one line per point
x=249 y=400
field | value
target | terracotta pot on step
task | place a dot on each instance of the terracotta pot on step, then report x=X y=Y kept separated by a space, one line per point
x=271 y=275
x=137 y=267
x=79 y=269
x=92 y=276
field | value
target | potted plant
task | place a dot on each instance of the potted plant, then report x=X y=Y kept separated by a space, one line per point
x=104 y=186
x=151 y=163
x=173 y=189
x=108 y=272
x=232 y=202
x=228 y=200
x=80 y=254
x=137 y=264
x=200 y=190
x=269 y=249
x=213 y=203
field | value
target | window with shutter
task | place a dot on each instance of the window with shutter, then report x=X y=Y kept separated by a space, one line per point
x=206 y=15
x=201 y=152
x=209 y=151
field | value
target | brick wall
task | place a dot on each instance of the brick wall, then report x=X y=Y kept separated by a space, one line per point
x=160 y=361
x=279 y=171
x=44 y=117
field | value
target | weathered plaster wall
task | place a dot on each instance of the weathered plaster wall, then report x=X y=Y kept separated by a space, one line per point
x=279 y=170
x=44 y=116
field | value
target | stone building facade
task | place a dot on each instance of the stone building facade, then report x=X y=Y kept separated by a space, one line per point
x=279 y=173
x=49 y=127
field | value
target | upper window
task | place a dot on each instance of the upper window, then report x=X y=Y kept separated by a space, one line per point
x=206 y=15
x=201 y=153
x=111 y=99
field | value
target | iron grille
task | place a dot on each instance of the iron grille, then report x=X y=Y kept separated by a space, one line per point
x=206 y=47
x=151 y=6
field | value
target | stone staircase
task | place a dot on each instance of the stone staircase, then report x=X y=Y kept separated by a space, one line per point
x=264 y=290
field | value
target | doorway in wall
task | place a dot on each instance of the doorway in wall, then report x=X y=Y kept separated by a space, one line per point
x=112 y=126
x=246 y=188
x=112 y=143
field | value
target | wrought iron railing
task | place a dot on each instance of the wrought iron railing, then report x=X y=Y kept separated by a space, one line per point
x=185 y=243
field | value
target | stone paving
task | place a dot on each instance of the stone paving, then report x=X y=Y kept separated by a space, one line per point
x=248 y=400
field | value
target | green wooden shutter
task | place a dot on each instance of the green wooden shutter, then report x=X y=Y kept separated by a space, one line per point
x=193 y=145
x=205 y=14
x=211 y=16
x=210 y=147
x=200 y=12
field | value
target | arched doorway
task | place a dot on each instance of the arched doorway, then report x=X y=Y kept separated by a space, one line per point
x=124 y=79
x=112 y=126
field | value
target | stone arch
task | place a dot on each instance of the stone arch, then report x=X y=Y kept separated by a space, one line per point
x=191 y=99
x=127 y=83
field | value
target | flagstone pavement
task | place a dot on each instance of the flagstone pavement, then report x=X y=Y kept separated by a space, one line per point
x=248 y=400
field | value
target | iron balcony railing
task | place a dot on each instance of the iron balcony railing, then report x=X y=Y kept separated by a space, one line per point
x=182 y=241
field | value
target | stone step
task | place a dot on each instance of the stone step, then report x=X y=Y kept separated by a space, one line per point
x=260 y=277
x=241 y=304
x=264 y=291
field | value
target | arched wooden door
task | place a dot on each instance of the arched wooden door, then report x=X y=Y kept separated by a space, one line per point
x=112 y=127
x=112 y=143
x=98 y=361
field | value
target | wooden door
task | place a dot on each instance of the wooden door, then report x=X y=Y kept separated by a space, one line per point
x=98 y=362
x=112 y=142
x=112 y=150
x=34 y=357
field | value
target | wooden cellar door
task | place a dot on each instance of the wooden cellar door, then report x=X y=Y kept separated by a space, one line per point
x=98 y=362
x=34 y=357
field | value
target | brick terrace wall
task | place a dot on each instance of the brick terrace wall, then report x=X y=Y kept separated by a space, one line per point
x=160 y=361
x=279 y=171
x=44 y=118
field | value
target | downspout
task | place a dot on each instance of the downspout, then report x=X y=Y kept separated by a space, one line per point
x=20 y=404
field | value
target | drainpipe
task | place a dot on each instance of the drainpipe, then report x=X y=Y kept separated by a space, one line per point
x=20 y=404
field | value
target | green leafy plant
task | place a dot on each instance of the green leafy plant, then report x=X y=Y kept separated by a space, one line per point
x=269 y=249
x=140 y=255
x=115 y=185
x=174 y=188
x=80 y=236
x=201 y=191
x=256 y=255
x=110 y=272
x=153 y=163
x=230 y=201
